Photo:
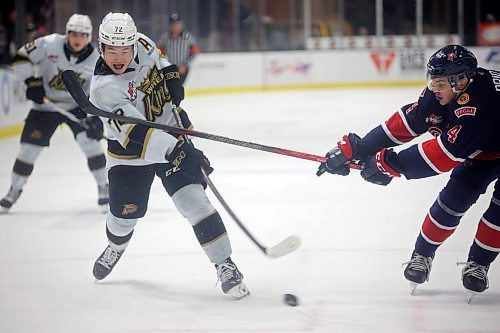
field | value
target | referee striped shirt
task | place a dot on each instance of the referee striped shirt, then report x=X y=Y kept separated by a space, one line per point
x=179 y=50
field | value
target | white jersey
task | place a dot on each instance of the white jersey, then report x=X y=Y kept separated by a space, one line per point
x=48 y=57
x=140 y=92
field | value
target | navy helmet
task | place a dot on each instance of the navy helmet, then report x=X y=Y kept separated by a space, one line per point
x=452 y=61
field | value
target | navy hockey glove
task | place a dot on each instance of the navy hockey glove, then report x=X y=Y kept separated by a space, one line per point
x=340 y=156
x=381 y=167
x=94 y=128
x=35 y=90
x=190 y=160
x=173 y=81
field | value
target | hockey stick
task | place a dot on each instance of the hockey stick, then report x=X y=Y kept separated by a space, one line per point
x=69 y=115
x=284 y=247
x=65 y=113
x=71 y=83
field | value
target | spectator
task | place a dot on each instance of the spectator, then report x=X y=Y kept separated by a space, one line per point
x=178 y=45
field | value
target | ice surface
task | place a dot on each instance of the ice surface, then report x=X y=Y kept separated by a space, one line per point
x=347 y=274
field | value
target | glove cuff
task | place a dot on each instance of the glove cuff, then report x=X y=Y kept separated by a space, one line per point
x=381 y=162
x=345 y=147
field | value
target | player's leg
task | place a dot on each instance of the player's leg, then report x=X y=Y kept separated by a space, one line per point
x=192 y=202
x=467 y=182
x=96 y=160
x=129 y=188
x=486 y=245
x=38 y=129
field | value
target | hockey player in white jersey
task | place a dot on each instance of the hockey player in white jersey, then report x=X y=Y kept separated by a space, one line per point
x=133 y=79
x=40 y=64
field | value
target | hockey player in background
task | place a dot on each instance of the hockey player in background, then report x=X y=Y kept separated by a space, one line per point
x=40 y=64
x=459 y=107
x=132 y=79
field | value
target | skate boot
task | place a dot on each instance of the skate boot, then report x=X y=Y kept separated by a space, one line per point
x=417 y=270
x=474 y=278
x=10 y=199
x=106 y=262
x=103 y=197
x=231 y=279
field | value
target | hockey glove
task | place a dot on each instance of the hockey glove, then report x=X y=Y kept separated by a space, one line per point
x=173 y=81
x=94 y=128
x=381 y=168
x=339 y=156
x=35 y=90
x=190 y=160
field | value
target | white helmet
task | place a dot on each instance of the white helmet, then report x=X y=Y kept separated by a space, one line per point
x=118 y=29
x=80 y=23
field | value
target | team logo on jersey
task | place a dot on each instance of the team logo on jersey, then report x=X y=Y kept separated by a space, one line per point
x=57 y=83
x=465 y=111
x=463 y=99
x=132 y=91
x=435 y=131
x=156 y=93
x=433 y=119
x=129 y=209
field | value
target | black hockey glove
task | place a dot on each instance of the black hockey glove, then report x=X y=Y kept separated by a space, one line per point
x=190 y=160
x=173 y=81
x=381 y=167
x=35 y=90
x=94 y=128
x=185 y=121
x=340 y=156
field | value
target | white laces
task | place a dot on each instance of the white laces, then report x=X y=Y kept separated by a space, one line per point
x=109 y=257
x=474 y=269
x=419 y=263
x=225 y=272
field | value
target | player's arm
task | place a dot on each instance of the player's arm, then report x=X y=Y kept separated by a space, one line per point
x=403 y=126
x=24 y=63
x=429 y=158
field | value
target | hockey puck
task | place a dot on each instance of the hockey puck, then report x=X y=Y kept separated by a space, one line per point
x=290 y=299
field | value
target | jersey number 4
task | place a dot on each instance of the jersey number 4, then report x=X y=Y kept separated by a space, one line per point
x=453 y=133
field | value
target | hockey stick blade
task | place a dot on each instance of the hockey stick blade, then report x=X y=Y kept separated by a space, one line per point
x=76 y=91
x=286 y=246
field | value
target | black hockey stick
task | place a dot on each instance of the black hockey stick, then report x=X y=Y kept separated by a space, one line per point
x=289 y=244
x=71 y=83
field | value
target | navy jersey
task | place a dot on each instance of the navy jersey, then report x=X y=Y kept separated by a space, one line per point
x=465 y=128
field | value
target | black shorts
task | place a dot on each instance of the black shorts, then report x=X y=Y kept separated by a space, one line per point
x=39 y=126
x=129 y=187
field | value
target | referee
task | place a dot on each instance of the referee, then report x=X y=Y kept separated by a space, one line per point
x=178 y=45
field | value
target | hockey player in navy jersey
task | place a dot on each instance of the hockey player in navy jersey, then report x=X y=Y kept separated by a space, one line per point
x=132 y=79
x=459 y=107
x=40 y=64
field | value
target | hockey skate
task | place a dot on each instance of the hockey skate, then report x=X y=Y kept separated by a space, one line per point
x=10 y=199
x=231 y=279
x=106 y=262
x=417 y=270
x=103 y=197
x=474 y=278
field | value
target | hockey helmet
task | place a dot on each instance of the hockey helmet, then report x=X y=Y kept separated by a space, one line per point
x=80 y=23
x=454 y=62
x=118 y=29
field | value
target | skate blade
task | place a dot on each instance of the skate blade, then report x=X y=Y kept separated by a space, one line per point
x=470 y=296
x=4 y=210
x=238 y=292
x=413 y=287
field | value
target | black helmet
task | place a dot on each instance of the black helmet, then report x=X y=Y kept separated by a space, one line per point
x=452 y=61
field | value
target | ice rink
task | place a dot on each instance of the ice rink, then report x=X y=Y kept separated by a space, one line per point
x=347 y=274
